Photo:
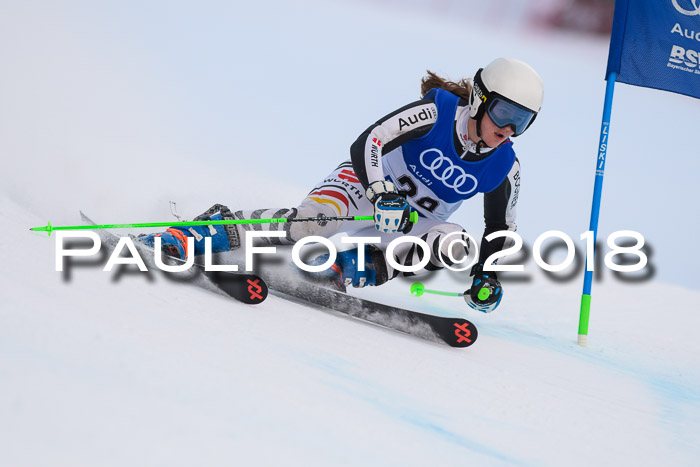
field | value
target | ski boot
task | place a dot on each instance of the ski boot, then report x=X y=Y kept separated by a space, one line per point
x=174 y=239
x=344 y=272
x=173 y=242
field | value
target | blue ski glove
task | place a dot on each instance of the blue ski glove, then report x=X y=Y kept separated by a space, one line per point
x=486 y=292
x=391 y=210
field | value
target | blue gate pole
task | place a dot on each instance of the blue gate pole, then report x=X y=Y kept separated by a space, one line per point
x=595 y=210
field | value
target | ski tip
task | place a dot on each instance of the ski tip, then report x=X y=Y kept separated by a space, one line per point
x=246 y=288
x=464 y=334
x=255 y=290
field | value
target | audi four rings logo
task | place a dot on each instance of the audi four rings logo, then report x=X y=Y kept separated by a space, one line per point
x=692 y=12
x=443 y=169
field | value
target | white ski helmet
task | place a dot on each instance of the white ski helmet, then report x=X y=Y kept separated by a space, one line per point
x=510 y=91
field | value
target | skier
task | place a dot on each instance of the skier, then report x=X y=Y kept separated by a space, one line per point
x=428 y=156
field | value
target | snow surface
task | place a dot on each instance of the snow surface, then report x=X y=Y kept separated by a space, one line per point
x=116 y=108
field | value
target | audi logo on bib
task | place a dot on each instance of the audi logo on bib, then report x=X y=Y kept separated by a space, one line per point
x=452 y=176
x=694 y=9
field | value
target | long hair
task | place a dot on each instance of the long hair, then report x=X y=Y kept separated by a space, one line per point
x=461 y=88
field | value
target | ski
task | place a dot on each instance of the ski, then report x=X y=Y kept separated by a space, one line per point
x=455 y=332
x=252 y=289
x=244 y=287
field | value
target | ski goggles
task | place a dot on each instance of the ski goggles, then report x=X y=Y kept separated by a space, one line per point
x=504 y=112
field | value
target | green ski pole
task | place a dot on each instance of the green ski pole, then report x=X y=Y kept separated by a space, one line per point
x=418 y=289
x=49 y=228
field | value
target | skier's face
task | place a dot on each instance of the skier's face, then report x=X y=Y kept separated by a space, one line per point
x=491 y=134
